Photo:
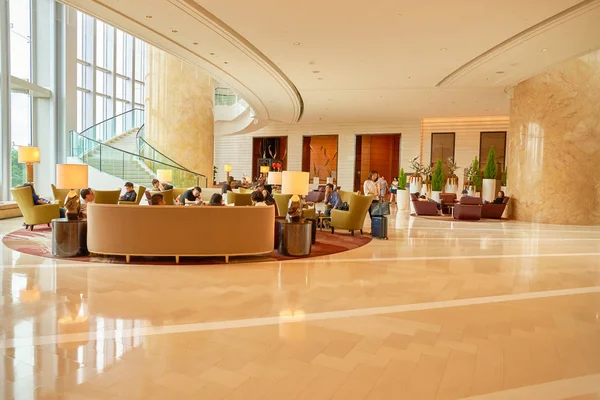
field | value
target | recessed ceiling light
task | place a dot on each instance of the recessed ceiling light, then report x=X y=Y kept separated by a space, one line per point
x=499 y=72
x=212 y=54
x=296 y=43
x=173 y=31
x=320 y=79
x=195 y=43
x=226 y=62
x=312 y=63
x=544 y=49
x=149 y=16
x=443 y=49
x=329 y=99
x=316 y=72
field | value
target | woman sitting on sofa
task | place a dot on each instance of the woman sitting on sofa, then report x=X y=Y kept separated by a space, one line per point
x=258 y=199
x=498 y=200
x=216 y=200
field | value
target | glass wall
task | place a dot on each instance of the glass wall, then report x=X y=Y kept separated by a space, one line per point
x=111 y=71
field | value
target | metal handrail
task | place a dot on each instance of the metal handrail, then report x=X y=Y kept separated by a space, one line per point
x=139 y=137
x=137 y=155
x=106 y=120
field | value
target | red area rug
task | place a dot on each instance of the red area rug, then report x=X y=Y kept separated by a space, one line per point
x=39 y=243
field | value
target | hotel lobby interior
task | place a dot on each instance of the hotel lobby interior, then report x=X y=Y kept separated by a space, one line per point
x=321 y=200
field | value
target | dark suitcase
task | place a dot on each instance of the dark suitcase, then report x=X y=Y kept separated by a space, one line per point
x=379 y=227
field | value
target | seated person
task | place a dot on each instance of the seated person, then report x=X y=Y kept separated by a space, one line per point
x=258 y=199
x=227 y=186
x=191 y=197
x=216 y=200
x=130 y=194
x=425 y=198
x=162 y=186
x=465 y=193
x=499 y=198
x=87 y=197
x=268 y=197
x=38 y=201
x=157 y=199
x=332 y=199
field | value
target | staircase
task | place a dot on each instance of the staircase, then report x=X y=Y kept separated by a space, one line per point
x=118 y=163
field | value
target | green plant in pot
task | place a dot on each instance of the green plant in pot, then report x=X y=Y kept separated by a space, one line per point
x=490 y=173
x=437 y=181
x=402 y=193
x=475 y=175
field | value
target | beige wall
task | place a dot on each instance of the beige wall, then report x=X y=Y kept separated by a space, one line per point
x=180 y=111
x=415 y=140
x=554 y=145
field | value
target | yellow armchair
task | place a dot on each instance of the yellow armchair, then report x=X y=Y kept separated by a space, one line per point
x=60 y=194
x=353 y=219
x=167 y=196
x=282 y=201
x=34 y=215
x=106 y=196
x=141 y=190
x=239 y=199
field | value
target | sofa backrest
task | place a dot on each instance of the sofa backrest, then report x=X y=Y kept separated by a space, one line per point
x=470 y=201
x=182 y=230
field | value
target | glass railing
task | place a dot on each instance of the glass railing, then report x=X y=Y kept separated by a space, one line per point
x=129 y=166
x=115 y=126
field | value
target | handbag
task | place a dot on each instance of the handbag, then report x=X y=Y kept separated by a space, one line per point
x=380 y=209
x=344 y=207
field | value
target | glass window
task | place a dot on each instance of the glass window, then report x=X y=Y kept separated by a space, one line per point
x=81 y=95
x=498 y=140
x=20 y=39
x=100 y=44
x=102 y=82
x=139 y=91
x=81 y=75
x=121 y=88
x=442 y=147
x=20 y=119
x=140 y=60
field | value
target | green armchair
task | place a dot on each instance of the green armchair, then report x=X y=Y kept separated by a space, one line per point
x=140 y=193
x=106 y=196
x=34 y=215
x=239 y=199
x=353 y=219
x=60 y=194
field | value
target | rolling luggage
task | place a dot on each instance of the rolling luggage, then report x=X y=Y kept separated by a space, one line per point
x=379 y=227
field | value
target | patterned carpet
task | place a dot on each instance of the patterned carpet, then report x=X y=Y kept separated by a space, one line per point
x=39 y=243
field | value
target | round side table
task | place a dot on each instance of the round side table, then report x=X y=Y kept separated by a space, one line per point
x=295 y=238
x=69 y=238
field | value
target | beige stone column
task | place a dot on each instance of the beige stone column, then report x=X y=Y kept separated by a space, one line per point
x=180 y=111
x=554 y=145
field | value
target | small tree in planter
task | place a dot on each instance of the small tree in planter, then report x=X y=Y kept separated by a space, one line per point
x=402 y=193
x=437 y=181
x=452 y=179
x=489 y=173
x=475 y=176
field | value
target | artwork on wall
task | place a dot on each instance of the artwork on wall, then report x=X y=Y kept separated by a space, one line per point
x=269 y=151
x=320 y=157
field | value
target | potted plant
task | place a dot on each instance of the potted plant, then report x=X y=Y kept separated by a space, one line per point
x=402 y=192
x=437 y=181
x=451 y=184
x=490 y=172
x=475 y=177
x=426 y=188
x=415 y=179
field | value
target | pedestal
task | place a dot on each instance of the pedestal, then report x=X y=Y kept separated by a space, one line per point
x=402 y=199
x=488 y=190
x=69 y=238
x=295 y=238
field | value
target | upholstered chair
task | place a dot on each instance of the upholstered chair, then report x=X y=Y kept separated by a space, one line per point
x=106 y=196
x=239 y=199
x=138 y=198
x=34 y=215
x=423 y=207
x=60 y=194
x=354 y=218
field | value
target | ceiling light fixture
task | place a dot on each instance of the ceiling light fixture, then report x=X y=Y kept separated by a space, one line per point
x=316 y=72
x=149 y=16
x=226 y=62
x=296 y=43
x=212 y=54
x=320 y=79
x=499 y=72
x=173 y=31
x=195 y=43
x=544 y=49
x=443 y=49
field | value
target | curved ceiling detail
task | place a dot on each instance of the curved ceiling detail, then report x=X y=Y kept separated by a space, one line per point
x=187 y=30
x=554 y=29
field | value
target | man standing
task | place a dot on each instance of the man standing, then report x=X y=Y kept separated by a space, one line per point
x=383 y=187
x=87 y=197
x=130 y=194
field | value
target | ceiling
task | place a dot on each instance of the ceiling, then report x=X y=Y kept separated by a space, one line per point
x=327 y=61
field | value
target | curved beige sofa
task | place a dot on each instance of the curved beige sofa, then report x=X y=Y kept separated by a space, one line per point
x=180 y=231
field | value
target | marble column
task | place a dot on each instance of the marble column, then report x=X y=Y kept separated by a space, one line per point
x=180 y=112
x=554 y=145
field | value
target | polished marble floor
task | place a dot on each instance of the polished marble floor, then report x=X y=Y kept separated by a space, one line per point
x=442 y=310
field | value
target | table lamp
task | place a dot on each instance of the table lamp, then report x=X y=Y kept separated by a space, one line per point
x=164 y=175
x=264 y=170
x=29 y=155
x=274 y=178
x=72 y=176
x=227 y=169
x=296 y=184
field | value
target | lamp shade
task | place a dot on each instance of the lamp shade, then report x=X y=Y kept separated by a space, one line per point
x=29 y=154
x=164 y=175
x=227 y=167
x=71 y=176
x=294 y=182
x=274 y=178
x=264 y=169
